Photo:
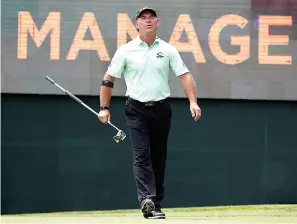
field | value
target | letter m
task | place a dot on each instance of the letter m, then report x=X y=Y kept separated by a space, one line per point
x=27 y=25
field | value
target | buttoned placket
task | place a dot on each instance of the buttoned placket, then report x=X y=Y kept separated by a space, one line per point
x=147 y=49
x=146 y=52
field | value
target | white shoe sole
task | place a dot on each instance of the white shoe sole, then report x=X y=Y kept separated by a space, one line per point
x=156 y=217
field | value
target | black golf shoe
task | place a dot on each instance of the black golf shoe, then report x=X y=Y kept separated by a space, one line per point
x=147 y=206
x=154 y=214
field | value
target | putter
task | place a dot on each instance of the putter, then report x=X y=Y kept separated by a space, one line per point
x=118 y=138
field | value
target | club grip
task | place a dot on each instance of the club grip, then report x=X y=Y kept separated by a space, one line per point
x=49 y=79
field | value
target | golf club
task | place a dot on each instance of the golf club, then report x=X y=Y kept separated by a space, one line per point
x=118 y=138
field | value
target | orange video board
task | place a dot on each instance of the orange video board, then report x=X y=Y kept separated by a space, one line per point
x=51 y=26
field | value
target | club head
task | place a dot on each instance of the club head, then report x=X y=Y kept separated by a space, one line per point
x=119 y=137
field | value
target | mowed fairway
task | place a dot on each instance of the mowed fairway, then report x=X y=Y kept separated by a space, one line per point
x=204 y=215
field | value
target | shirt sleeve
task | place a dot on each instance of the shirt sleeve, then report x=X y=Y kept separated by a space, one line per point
x=176 y=63
x=117 y=64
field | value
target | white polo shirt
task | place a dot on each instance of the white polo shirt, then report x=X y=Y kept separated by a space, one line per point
x=146 y=69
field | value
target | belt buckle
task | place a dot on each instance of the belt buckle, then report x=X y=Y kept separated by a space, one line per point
x=149 y=103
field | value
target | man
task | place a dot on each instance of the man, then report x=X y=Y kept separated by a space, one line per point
x=144 y=63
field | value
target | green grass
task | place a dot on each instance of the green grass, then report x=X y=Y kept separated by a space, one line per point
x=264 y=214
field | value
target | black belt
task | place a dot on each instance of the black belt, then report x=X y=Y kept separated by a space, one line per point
x=148 y=103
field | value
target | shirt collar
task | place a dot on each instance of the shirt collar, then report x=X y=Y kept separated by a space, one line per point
x=139 y=41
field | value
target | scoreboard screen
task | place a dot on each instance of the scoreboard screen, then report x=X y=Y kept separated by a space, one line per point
x=235 y=49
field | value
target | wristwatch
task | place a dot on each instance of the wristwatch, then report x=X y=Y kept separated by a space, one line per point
x=104 y=107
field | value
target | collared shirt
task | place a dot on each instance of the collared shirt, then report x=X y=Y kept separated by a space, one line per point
x=146 y=69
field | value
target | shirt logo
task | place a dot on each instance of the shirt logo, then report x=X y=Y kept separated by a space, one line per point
x=160 y=55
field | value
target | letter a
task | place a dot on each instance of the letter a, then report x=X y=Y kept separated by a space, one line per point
x=184 y=23
x=88 y=21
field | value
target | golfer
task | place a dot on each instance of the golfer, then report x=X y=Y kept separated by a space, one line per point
x=144 y=63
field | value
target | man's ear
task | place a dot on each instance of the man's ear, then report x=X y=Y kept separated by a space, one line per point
x=136 y=24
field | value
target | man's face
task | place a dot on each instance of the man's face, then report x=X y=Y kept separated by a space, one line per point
x=147 y=22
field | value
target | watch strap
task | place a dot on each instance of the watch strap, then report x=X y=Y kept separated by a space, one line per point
x=104 y=107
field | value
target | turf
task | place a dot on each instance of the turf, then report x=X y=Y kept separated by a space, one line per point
x=259 y=214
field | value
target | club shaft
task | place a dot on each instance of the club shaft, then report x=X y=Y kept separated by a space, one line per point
x=76 y=99
x=113 y=126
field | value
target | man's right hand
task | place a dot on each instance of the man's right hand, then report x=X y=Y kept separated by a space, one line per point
x=104 y=116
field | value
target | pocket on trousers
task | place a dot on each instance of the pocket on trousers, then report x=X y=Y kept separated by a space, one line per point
x=126 y=102
x=127 y=107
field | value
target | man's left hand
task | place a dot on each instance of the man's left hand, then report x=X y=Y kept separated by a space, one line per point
x=195 y=111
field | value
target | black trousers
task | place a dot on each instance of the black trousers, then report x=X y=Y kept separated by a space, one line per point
x=149 y=127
